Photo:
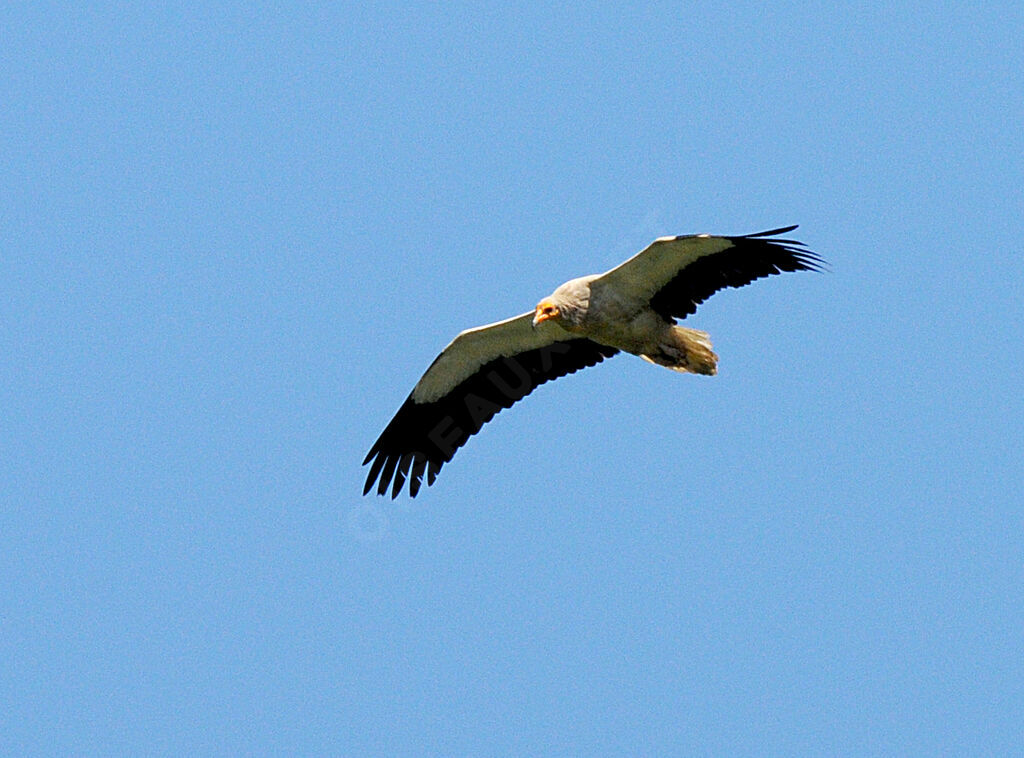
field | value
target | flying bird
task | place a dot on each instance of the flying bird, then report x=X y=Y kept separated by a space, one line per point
x=632 y=308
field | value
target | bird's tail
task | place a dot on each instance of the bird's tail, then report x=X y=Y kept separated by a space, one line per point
x=686 y=350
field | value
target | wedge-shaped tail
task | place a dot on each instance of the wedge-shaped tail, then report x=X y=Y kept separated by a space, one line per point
x=687 y=351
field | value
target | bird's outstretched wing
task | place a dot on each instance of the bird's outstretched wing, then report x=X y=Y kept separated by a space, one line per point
x=482 y=371
x=676 y=274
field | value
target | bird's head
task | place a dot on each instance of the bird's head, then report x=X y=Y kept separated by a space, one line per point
x=545 y=310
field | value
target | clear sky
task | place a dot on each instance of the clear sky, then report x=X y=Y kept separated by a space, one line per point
x=232 y=238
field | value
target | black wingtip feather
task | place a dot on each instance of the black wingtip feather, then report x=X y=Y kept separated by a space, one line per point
x=416 y=475
x=378 y=464
x=773 y=232
x=386 y=474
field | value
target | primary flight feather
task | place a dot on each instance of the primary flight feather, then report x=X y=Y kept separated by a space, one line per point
x=631 y=308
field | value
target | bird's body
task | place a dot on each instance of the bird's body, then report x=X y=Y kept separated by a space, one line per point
x=631 y=308
x=632 y=326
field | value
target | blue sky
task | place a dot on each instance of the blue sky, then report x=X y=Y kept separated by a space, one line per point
x=232 y=239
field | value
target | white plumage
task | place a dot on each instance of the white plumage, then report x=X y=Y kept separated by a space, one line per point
x=631 y=308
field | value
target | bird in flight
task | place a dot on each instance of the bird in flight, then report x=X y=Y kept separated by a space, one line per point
x=632 y=309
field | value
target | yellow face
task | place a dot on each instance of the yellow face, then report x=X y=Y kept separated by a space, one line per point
x=545 y=310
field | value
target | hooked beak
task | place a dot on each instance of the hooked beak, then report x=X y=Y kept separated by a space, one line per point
x=543 y=313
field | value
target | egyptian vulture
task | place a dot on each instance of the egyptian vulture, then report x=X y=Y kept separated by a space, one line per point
x=631 y=308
